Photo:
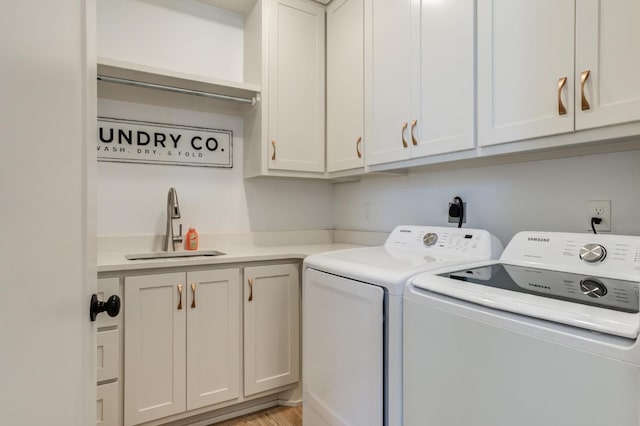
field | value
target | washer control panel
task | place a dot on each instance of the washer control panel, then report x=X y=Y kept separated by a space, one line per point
x=581 y=253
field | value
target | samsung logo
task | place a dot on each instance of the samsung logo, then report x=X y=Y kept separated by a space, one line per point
x=538 y=239
x=546 y=287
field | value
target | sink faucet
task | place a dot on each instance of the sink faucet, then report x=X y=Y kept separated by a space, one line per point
x=173 y=212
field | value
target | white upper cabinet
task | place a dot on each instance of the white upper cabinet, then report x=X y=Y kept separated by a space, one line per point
x=422 y=79
x=525 y=69
x=447 y=74
x=296 y=86
x=285 y=53
x=606 y=50
x=391 y=81
x=345 y=85
x=530 y=85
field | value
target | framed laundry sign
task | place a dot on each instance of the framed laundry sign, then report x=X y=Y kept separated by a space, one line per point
x=130 y=141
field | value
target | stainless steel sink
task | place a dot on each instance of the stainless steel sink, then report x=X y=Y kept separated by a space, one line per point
x=172 y=254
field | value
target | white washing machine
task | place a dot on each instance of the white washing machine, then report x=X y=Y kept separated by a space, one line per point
x=352 y=321
x=548 y=335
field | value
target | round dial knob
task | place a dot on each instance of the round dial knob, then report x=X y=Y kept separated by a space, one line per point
x=593 y=288
x=430 y=239
x=593 y=253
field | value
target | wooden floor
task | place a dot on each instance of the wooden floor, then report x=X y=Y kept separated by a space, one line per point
x=276 y=416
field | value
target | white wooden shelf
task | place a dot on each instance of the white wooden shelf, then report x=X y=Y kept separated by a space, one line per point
x=241 y=6
x=176 y=81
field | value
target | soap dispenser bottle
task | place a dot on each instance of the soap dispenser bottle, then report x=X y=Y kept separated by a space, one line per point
x=191 y=240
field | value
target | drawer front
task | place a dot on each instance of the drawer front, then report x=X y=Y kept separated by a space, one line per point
x=107 y=355
x=108 y=407
x=108 y=287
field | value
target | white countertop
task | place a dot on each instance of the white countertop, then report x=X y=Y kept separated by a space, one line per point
x=238 y=247
x=115 y=261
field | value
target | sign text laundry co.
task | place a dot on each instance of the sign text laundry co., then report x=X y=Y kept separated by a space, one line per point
x=144 y=142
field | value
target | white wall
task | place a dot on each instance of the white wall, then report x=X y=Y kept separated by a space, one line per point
x=186 y=36
x=132 y=197
x=540 y=195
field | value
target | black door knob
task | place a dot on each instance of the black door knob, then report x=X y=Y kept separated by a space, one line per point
x=111 y=306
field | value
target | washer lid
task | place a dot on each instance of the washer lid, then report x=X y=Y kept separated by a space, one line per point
x=595 y=303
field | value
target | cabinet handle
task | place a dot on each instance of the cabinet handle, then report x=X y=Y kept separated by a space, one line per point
x=180 y=294
x=250 y=280
x=193 y=293
x=583 y=81
x=404 y=127
x=561 y=109
x=413 y=137
x=273 y=144
x=358 y=147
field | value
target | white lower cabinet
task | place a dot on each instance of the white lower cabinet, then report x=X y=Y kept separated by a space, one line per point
x=183 y=343
x=182 y=346
x=109 y=359
x=271 y=327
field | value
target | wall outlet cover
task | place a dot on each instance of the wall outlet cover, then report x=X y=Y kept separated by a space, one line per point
x=602 y=210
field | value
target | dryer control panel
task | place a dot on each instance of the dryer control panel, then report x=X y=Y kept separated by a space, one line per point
x=442 y=240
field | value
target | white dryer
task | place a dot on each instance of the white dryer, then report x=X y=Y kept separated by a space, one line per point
x=352 y=320
x=547 y=335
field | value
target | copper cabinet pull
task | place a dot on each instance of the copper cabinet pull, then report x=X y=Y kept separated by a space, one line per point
x=358 y=147
x=404 y=127
x=413 y=137
x=561 y=109
x=193 y=292
x=180 y=294
x=583 y=81
x=273 y=144
x=250 y=280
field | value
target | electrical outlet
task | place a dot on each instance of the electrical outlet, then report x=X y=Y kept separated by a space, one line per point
x=457 y=219
x=601 y=209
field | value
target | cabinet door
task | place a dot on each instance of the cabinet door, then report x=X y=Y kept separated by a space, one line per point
x=391 y=77
x=296 y=85
x=213 y=337
x=525 y=48
x=271 y=327
x=345 y=84
x=447 y=74
x=606 y=36
x=155 y=342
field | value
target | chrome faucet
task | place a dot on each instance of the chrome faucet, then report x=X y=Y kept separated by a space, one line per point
x=173 y=212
